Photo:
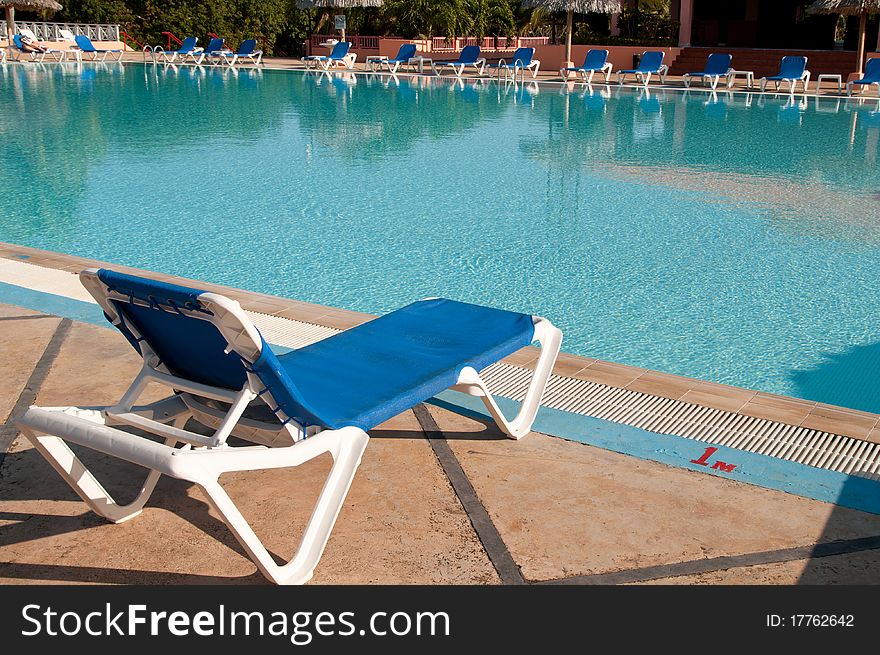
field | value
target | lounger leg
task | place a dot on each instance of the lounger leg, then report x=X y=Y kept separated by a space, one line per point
x=74 y=472
x=470 y=382
x=346 y=446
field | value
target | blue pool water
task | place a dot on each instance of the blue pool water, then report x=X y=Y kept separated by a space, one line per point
x=730 y=238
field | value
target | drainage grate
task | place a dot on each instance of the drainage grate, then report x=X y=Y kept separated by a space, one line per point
x=667 y=416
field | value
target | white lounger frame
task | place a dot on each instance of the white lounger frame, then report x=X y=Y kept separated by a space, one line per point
x=256 y=58
x=458 y=69
x=805 y=79
x=687 y=78
x=201 y=459
x=326 y=64
x=587 y=76
x=510 y=73
x=862 y=87
x=101 y=55
x=644 y=78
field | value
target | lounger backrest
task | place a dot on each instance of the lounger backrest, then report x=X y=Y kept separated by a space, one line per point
x=651 y=60
x=214 y=45
x=407 y=51
x=85 y=43
x=247 y=47
x=872 y=69
x=595 y=59
x=190 y=344
x=67 y=35
x=469 y=54
x=718 y=63
x=340 y=50
x=792 y=66
x=16 y=40
x=28 y=34
x=188 y=44
x=523 y=55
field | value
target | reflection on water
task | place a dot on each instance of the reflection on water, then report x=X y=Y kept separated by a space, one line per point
x=728 y=236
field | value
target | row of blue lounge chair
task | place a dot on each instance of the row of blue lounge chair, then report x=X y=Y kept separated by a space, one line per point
x=215 y=52
x=792 y=69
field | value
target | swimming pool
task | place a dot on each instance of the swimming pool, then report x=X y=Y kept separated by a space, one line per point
x=729 y=238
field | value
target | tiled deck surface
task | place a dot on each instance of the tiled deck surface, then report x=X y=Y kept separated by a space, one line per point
x=563 y=510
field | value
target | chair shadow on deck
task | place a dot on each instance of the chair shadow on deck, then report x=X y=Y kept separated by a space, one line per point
x=25 y=476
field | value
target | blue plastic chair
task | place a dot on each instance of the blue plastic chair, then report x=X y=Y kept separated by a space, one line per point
x=337 y=55
x=469 y=56
x=216 y=46
x=523 y=60
x=247 y=51
x=871 y=76
x=291 y=408
x=651 y=63
x=596 y=61
x=717 y=66
x=792 y=69
x=85 y=44
x=188 y=46
x=406 y=52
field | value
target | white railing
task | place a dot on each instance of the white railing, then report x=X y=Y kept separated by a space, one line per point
x=52 y=31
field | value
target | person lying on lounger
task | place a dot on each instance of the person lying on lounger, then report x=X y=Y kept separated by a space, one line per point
x=29 y=45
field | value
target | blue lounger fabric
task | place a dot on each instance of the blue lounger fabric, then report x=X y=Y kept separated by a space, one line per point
x=368 y=374
x=792 y=67
x=359 y=377
x=872 y=72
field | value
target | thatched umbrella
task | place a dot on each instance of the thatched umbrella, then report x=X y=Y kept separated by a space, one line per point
x=573 y=7
x=860 y=8
x=342 y=4
x=27 y=5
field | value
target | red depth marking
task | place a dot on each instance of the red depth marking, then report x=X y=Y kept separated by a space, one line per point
x=704 y=458
x=724 y=467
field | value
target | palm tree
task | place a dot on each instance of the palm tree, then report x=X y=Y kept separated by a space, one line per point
x=572 y=7
x=860 y=8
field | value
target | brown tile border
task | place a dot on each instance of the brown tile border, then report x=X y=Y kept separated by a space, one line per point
x=781 y=409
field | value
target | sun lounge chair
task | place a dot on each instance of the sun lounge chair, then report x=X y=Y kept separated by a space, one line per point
x=596 y=61
x=871 y=76
x=717 y=66
x=188 y=46
x=469 y=56
x=523 y=60
x=651 y=63
x=792 y=69
x=198 y=55
x=322 y=398
x=87 y=47
x=18 y=45
x=3 y=55
x=246 y=51
x=406 y=52
x=338 y=55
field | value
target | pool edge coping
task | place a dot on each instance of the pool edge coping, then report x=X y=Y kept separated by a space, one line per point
x=788 y=410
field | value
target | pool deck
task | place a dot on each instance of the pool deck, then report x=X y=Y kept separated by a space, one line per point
x=673 y=82
x=439 y=498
